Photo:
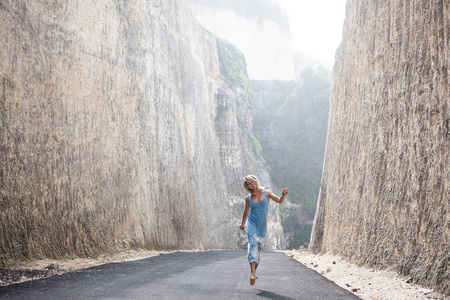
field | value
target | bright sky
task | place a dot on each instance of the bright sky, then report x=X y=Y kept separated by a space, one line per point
x=316 y=26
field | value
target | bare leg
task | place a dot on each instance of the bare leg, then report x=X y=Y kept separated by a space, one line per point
x=253 y=277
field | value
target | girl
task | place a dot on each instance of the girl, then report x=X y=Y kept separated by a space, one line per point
x=256 y=207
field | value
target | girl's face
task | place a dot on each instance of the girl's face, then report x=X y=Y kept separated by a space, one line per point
x=251 y=184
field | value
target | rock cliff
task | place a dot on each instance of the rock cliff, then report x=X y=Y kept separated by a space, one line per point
x=118 y=130
x=384 y=198
x=257 y=28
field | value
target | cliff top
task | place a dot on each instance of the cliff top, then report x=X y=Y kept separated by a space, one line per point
x=264 y=9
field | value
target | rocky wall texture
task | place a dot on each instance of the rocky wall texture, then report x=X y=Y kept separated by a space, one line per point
x=108 y=137
x=385 y=191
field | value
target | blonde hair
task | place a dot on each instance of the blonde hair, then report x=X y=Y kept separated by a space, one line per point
x=254 y=179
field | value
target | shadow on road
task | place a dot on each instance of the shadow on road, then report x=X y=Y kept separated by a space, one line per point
x=270 y=295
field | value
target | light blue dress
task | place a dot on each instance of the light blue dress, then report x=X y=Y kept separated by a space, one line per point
x=256 y=227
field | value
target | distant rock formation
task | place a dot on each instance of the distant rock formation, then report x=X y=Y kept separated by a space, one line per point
x=385 y=191
x=291 y=121
x=304 y=61
x=118 y=131
x=256 y=28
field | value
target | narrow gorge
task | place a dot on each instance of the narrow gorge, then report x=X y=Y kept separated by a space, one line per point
x=128 y=125
x=290 y=102
x=384 y=199
x=119 y=130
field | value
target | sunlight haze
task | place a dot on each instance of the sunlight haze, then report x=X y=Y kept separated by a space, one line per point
x=316 y=26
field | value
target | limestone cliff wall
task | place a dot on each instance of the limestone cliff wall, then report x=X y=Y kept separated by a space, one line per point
x=108 y=136
x=385 y=191
x=267 y=45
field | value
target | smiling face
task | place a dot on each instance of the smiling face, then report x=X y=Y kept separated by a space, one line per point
x=251 y=184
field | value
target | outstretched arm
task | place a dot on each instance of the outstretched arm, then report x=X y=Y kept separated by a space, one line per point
x=246 y=213
x=276 y=198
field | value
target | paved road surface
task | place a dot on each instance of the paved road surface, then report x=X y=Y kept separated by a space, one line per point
x=185 y=275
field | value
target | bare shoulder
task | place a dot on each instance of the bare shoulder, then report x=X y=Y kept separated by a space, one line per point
x=268 y=192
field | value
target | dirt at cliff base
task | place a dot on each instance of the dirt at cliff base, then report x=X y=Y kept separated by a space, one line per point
x=366 y=283
x=38 y=269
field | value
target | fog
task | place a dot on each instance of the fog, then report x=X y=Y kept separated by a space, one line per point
x=289 y=48
x=316 y=26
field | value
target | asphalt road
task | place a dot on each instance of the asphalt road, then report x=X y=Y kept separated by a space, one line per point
x=185 y=275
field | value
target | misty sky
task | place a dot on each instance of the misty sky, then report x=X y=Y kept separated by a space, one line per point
x=316 y=26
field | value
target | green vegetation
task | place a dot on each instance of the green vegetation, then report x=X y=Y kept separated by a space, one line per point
x=297 y=113
x=301 y=233
x=256 y=140
x=232 y=64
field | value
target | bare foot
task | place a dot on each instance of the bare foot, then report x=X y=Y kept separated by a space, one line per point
x=253 y=278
